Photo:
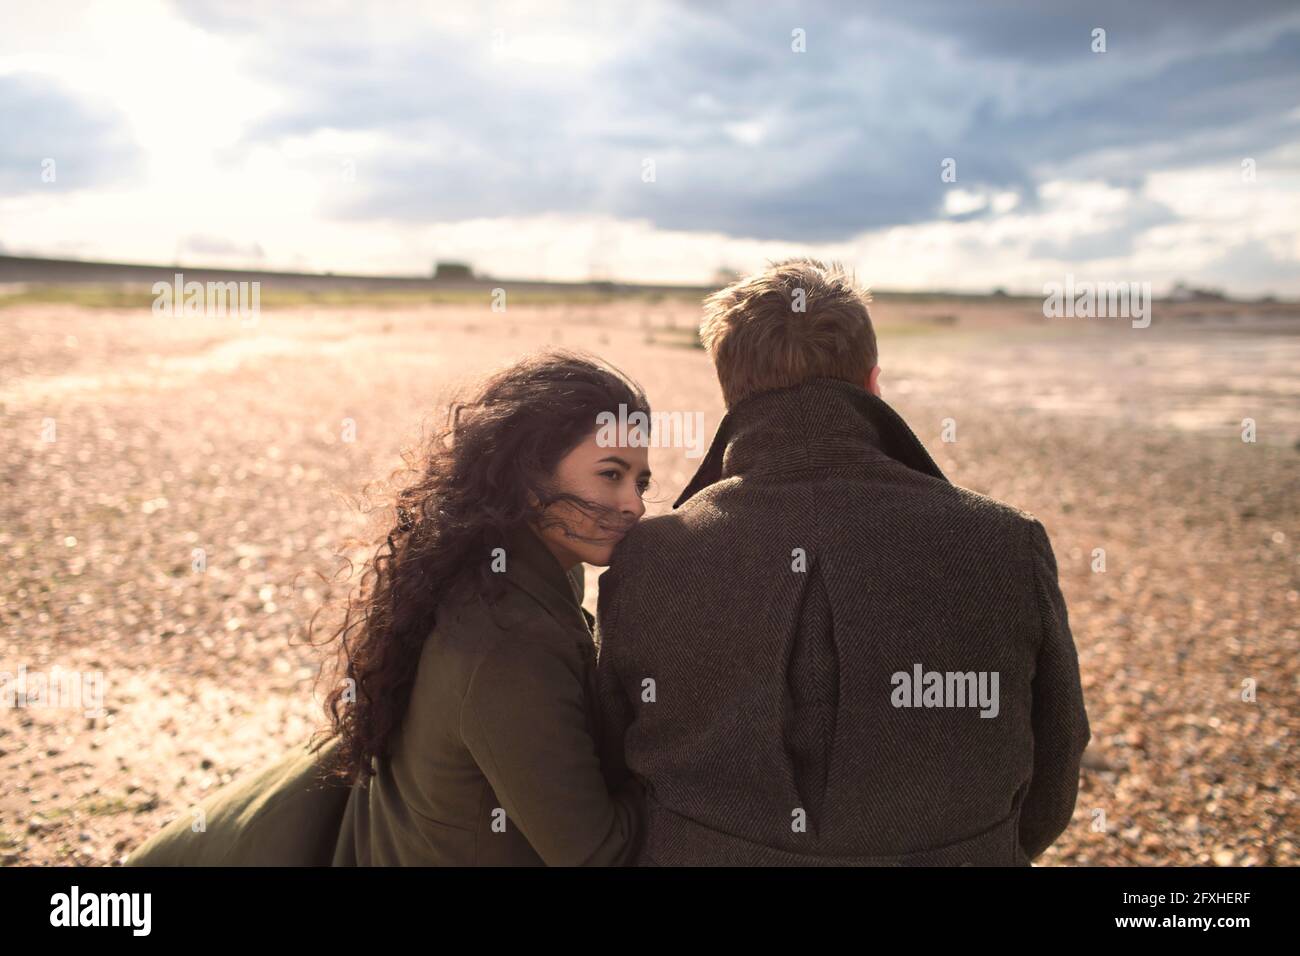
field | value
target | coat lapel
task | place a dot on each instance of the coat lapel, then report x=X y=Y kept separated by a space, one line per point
x=531 y=567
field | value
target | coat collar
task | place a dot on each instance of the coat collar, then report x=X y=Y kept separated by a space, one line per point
x=818 y=423
x=532 y=567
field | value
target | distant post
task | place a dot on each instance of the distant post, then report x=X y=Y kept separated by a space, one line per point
x=452 y=270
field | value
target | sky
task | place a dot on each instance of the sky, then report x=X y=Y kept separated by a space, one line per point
x=926 y=145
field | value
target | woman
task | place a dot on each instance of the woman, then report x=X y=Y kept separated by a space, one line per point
x=465 y=729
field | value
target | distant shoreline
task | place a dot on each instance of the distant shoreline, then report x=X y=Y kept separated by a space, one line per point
x=29 y=279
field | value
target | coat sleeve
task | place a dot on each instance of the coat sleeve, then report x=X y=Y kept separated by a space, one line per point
x=616 y=713
x=524 y=720
x=1060 y=721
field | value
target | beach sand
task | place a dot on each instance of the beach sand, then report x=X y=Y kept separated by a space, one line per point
x=181 y=443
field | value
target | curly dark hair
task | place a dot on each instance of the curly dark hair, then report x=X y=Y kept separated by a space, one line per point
x=471 y=484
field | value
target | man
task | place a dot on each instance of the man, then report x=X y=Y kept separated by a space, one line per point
x=828 y=653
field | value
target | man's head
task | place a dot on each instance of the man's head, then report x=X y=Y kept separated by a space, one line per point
x=796 y=320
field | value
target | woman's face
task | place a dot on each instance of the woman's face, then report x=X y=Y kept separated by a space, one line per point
x=614 y=477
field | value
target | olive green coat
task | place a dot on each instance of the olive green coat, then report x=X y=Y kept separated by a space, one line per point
x=495 y=763
x=282 y=814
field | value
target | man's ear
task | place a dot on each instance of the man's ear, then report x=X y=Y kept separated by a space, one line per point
x=873 y=381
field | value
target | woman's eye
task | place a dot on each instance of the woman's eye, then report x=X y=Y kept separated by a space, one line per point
x=642 y=487
x=612 y=475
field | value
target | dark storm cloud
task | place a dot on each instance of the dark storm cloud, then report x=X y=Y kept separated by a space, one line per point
x=1250 y=91
x=752 y=140
x=39 y=121
x=1044 y=31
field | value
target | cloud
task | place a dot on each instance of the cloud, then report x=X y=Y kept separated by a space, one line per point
x=345 y=137
x=221 y=247
x=1029 y=31
x=55 y=141
x=1116 y=238
x=497 y=114
x=1251 y=264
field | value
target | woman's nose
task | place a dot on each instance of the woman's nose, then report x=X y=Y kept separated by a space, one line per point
x=636 y=507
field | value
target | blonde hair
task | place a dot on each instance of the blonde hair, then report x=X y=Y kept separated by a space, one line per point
x=759 y=341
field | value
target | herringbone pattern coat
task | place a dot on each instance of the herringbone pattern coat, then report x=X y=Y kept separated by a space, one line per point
x=750 y=641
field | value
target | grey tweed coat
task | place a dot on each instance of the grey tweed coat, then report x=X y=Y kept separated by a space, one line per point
x=829 y=654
